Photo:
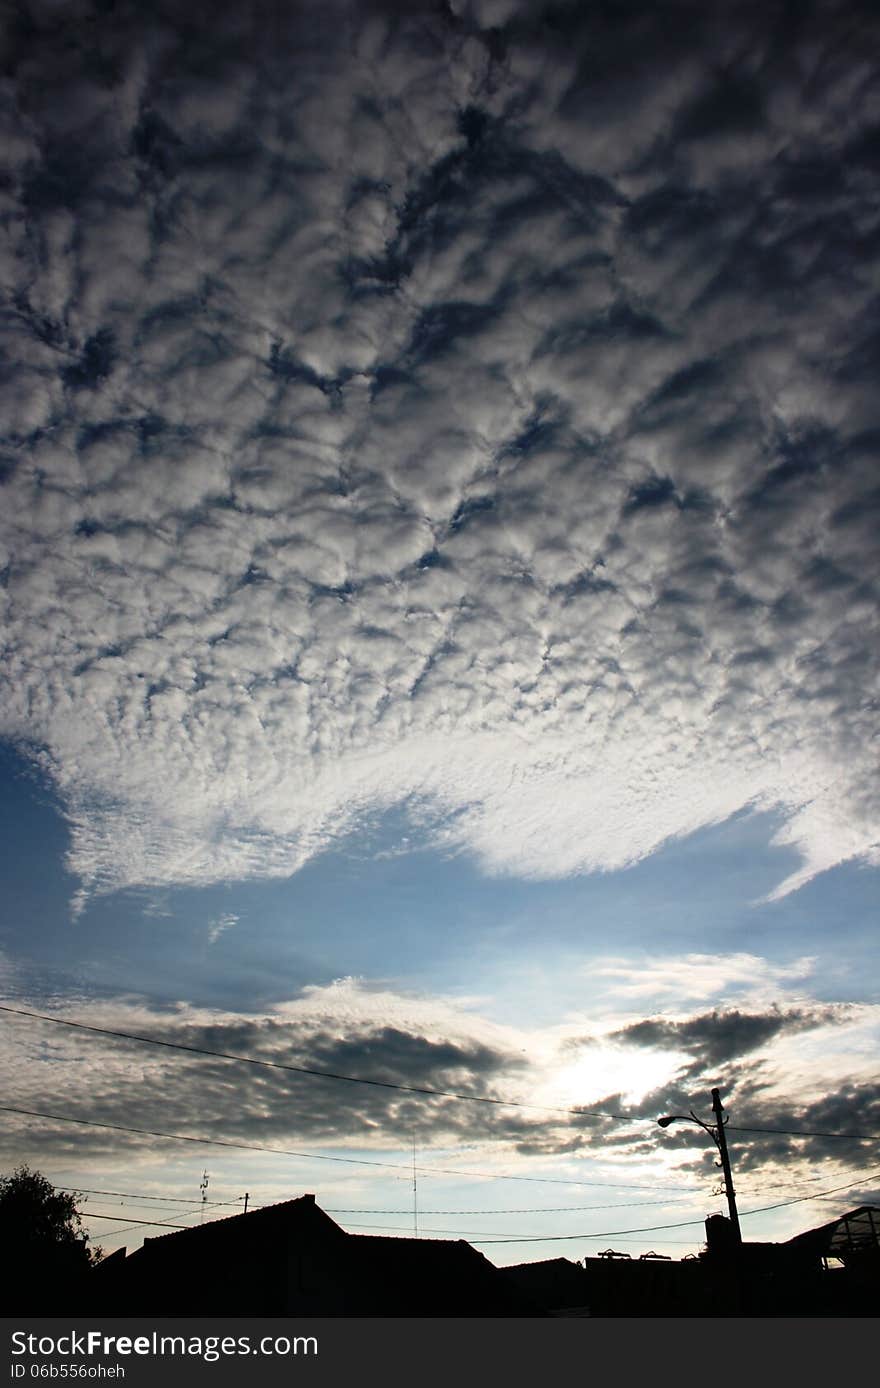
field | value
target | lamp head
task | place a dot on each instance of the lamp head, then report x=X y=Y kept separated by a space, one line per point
x=664 y=1122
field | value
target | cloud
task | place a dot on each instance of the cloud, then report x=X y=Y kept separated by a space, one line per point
x=343 y=1029
x=468 y=408
x=717 y=1037
x=218 y=927
x=804 y=1066
x=694 y=978
x=787 y=1074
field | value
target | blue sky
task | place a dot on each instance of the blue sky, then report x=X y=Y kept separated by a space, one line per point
x=385 y=907
x=439 y=598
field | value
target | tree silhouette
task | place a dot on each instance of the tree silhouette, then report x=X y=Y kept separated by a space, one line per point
x=45 y=1241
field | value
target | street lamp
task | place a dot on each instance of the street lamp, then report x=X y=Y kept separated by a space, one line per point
x=718 y=1136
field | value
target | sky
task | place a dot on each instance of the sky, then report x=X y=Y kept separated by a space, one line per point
x=439 y=574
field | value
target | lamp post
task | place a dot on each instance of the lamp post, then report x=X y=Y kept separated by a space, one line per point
x=717 y=1134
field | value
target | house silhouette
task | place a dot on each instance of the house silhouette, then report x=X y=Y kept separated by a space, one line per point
x=293 y=1259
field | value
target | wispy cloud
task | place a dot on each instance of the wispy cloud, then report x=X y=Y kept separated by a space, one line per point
x=690 y=979
x=218 y=927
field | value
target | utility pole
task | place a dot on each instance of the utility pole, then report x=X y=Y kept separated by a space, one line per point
x=719 y=1137
x=721 y=1140
x=246 y=1198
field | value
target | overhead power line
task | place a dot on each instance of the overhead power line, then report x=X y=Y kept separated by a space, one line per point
x=131 y=1222
x=317 y=1156
x=141 y=1195
x=530 y=1209
x=682 y=1224
x=144 y=1195
x=135 y=1198
x=475 y=1238
x=560 y=1238
x=167 y=1224
x=320 y=1074
x=129 y=1197
x=204 y=1141
x=800 y=1132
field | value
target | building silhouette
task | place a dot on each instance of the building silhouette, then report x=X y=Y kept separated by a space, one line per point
x=293 y=1259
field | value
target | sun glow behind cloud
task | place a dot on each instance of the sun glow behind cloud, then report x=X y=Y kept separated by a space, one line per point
x=603 y=1069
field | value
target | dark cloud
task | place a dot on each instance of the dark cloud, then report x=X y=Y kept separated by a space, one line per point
x=850 y=1108
x=139 y=1086
x=772 y=1165
x=714 y=1038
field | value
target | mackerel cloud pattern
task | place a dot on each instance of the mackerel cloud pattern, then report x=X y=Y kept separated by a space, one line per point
x=462 y=407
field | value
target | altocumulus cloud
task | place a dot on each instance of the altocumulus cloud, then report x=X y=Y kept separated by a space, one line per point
x=469 y=405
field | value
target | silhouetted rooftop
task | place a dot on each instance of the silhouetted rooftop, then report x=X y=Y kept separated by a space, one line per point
x=854 y=1232
x=300 y=1211
x=293 y=1258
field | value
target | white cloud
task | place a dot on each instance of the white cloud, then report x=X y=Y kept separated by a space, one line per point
x=219 y=927
x=695 y=980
